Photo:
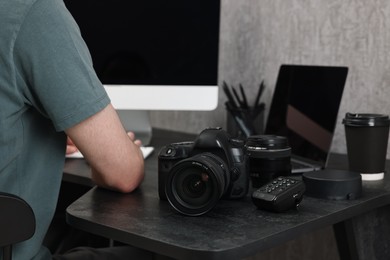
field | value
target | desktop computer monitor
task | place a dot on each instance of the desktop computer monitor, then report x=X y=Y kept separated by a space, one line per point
x=152 y=55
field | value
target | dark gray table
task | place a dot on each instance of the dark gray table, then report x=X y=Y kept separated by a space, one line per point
x=233 y=229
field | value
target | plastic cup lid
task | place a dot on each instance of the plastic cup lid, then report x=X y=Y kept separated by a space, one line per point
x=366 y=119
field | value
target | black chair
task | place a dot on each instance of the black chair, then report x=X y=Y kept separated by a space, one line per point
x=17 y=222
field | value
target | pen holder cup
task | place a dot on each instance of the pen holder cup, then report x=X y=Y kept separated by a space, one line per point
x=242 y=123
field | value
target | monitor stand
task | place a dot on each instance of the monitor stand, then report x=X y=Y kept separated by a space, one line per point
x=137 y=121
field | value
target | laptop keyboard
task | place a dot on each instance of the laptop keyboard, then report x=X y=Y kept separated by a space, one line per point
x=298 y=166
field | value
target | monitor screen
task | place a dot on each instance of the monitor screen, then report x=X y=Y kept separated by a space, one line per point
x=153 y=43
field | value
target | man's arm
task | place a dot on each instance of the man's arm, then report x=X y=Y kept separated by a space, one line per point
x=116 y=161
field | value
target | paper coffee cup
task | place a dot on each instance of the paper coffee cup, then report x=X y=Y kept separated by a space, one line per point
x=367 y=137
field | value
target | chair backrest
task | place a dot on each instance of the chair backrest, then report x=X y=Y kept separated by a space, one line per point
x=17 y=222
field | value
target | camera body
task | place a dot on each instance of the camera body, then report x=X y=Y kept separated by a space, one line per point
x=170 y=155
x=194 y=175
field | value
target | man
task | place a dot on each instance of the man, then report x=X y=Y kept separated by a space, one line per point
x=48 y=91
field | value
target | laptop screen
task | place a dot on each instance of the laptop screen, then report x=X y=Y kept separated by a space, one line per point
x=305 y=106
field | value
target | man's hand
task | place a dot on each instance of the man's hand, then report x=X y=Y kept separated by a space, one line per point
x=132 y=138
x=70 y=146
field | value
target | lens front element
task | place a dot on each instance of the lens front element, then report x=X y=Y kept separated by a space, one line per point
x=195 y=185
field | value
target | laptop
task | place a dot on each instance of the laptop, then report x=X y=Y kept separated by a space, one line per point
x=304 y=108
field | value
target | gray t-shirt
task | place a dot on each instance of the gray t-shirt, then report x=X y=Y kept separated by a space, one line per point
x=47 y=84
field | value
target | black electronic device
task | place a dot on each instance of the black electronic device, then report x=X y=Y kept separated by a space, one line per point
x=152 y=55
x=333 y=184
x=304 y=109
x=279 y=195
x=193 y=176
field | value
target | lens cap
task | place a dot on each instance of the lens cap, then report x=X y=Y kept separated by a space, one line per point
x=352 y=119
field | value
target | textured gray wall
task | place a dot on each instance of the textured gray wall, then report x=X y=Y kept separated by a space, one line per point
x=257 y=36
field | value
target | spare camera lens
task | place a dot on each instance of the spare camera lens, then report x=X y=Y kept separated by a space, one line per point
x=269 y=156
x=195 y=185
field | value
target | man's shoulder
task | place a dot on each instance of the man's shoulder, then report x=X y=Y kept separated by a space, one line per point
x=13 y=12
x=15 y=9
x=12 y=15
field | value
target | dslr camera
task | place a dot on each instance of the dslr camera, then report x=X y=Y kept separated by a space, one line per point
x=194 y=176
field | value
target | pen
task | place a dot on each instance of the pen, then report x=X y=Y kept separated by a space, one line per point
x=238 y=98
x=244 y=100
x=229 y=95
x=259 y=93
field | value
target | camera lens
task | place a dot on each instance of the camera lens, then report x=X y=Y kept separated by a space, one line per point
x=269 y=157
x=195 y=185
